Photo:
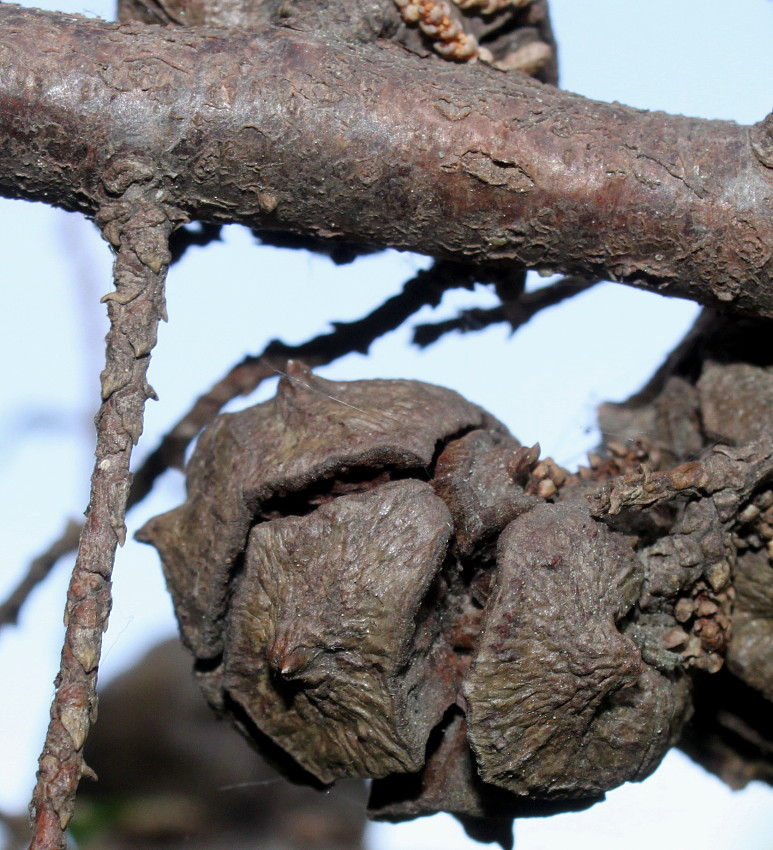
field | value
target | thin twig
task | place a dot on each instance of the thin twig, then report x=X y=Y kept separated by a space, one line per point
x=140 y=232
x=38 y=571
x=341 y=253
x=516 y=313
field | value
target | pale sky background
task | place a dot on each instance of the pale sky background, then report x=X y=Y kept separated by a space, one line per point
x=698 y=57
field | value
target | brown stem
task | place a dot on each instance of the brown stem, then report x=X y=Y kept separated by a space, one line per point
x=517 y=312
x=140 y=233
x=364 y=142
x=38 y=572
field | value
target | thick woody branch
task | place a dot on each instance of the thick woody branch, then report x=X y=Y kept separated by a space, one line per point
x=140 y=232
x=370 y=144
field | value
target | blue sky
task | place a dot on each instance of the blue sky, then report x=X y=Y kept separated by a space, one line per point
x=698 y=57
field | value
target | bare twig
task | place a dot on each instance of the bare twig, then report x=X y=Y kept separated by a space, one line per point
x=38 y=571
x=340 y=252
x=732 y=470
x=140 y=232
x=516 y=312
x=582 y=191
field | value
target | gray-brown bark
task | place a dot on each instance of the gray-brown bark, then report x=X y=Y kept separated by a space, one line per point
x=139 y=228
x=716 y=389
x=369 y=143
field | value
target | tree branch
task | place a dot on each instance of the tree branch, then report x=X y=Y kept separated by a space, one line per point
x=517 y=312
x=140 y=232
x=370 y=144
x=186 y=237
x=38 y=571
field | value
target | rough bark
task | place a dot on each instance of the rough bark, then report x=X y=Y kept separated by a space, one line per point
x=139 y=228
x=366 y=142
x=715 y=391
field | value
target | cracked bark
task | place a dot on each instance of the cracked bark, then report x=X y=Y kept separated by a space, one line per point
x=368 y=143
